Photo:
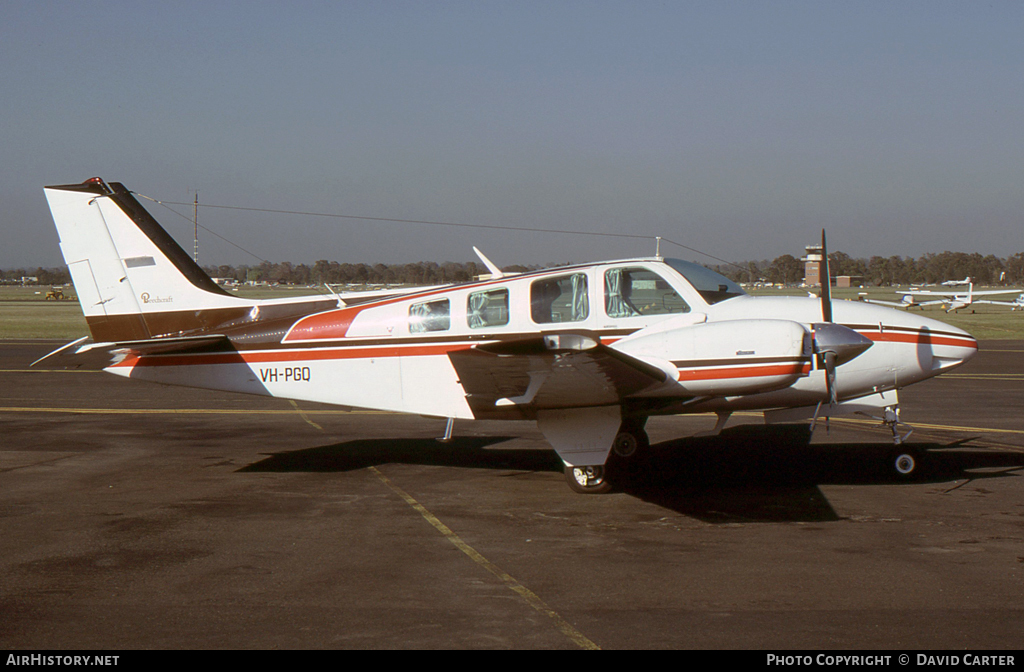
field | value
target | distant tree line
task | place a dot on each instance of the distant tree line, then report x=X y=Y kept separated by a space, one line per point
x=44 y=276
x=883 y=271
x=787 y=269
x=335 y=273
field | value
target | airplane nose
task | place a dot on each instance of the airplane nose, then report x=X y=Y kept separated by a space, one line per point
x=949 y=346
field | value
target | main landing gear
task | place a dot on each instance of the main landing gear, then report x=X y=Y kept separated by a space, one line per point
x=588 y=480
x=628 y=446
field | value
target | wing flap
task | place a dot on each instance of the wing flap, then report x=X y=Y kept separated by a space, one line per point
x=551 y=371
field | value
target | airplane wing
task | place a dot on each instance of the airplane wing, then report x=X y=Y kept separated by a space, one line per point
x=895 y=304
x=929 y=292
x=990 y=292
x=85 y=354
x=961 y=293
x=906 y=304
x=359 y=297
x=550 y=371
x=1019 y=302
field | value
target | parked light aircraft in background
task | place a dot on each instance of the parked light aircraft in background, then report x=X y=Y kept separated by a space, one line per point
x=952 y=300
x=588 y=351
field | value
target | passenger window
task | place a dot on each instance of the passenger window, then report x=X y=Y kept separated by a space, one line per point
x=561 y=299
x=633 y=292
x=487 y=309
x=429 y=316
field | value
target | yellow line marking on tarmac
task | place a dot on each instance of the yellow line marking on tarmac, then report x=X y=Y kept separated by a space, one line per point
x=992 y=378
x=49 y=371
x=915 y=425
x=922 y=425
x=303 y=415
x=529 y=596
x=983 y=375
x=176 y=411
x=526 y=594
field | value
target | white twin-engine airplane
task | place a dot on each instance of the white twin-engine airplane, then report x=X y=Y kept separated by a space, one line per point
x=953 y=300
x=587 y=351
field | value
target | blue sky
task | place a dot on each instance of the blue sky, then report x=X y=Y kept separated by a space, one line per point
x=737 y=128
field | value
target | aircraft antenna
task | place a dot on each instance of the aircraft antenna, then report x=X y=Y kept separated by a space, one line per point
x=496 y=272
x=196 y=222
x=341 y=302
x=524 y=229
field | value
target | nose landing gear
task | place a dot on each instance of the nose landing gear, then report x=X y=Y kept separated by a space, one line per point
x=905 y=462
x=891 y=418
x=892 y=421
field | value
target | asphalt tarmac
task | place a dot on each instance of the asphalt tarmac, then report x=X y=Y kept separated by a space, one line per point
x=139 y=516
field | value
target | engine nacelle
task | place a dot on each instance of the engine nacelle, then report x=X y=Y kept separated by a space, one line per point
x=728 y=358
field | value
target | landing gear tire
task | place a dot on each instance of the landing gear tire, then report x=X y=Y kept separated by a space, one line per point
x=905 y=462
x=627 y=452
x=629 y=441
x=588 y=480
x=631 y=438
x=629 y=455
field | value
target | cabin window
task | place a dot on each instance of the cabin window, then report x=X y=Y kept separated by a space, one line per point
x=561 y=299
x=429 y=316
x=635 y=292
x=487 y=309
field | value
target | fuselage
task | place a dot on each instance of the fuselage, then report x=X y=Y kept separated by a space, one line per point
x=719 y=348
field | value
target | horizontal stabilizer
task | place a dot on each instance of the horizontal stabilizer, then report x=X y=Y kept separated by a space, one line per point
x=85 y=354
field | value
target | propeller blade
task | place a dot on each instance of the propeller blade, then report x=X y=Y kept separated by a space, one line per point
x=826 y=282
x=830 y=376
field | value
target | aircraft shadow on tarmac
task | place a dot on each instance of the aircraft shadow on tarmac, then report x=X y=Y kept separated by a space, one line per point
x=754 y=473
x=468 y=452
x=747 y=473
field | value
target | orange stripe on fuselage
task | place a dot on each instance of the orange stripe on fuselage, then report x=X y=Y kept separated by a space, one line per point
x=302 y=355
x=725 y=373
x=921 y=338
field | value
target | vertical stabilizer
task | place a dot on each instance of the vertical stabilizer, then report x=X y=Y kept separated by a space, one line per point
x=133 y=281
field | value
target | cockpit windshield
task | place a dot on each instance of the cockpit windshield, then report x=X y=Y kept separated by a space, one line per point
x=713 y=287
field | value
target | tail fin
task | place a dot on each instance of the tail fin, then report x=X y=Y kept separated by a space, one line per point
x=133 y=281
